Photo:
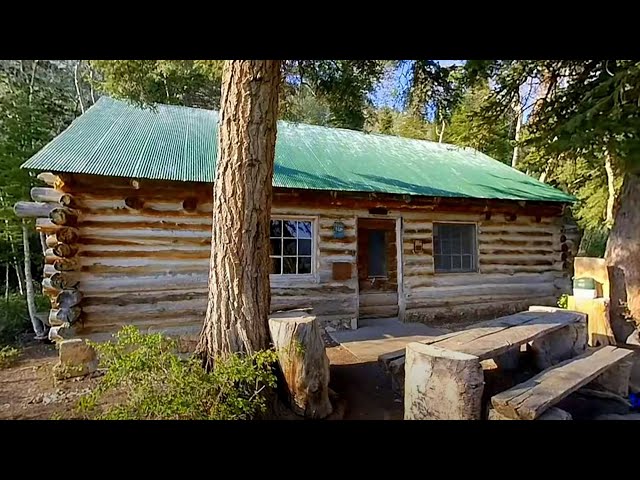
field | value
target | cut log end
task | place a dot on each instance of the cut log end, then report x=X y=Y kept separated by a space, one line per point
x=64 y=216
x=304 y=363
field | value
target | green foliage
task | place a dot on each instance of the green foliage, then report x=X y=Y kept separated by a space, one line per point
x=391 y=122
x=37 y=101
x=305 y=107
x=14 y=317
x=563 y=300
x=153 y=382
x=8 y=356
x=342 y=85
x=594 y=242
x=466 y=129
x=194 y=83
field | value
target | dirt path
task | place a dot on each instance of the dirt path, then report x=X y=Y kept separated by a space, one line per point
x=28 y=390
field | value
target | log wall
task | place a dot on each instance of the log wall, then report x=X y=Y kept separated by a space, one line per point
x=125 y=251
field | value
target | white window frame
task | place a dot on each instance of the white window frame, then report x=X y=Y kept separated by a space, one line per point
x=285 y=277
x=476 y=252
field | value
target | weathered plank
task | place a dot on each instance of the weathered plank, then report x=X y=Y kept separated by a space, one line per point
x=530 y=399
x=495 y=344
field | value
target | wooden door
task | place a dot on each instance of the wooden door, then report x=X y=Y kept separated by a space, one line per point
x=377 y=268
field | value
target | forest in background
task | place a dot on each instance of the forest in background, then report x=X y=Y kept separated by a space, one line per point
x=569 y=123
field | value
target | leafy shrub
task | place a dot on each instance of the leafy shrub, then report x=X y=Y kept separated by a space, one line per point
x=14 y=317
x=151 y=381
x=8 y=356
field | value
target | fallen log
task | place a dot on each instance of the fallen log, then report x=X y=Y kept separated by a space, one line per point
x=303 y=361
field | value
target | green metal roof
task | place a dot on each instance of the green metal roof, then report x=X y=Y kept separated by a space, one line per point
x=179 y=143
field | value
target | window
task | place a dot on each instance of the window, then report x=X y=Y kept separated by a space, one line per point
x=377 y=254
x=454 y=247
x=291 y=247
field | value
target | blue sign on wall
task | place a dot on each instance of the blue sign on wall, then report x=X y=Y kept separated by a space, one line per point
x=338 y=230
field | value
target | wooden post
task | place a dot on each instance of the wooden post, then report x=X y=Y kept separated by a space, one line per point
x=304 y=363
x=441 y=384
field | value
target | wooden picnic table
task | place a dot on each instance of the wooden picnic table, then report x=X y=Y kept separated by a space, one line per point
x=495 y=337
x=447 y=375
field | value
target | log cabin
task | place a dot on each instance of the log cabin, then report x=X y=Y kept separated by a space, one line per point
x=363 y=225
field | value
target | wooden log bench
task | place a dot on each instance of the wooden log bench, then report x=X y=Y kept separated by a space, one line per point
x=531 y=399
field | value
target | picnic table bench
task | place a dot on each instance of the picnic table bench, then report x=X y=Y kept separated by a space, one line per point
x=444 y=376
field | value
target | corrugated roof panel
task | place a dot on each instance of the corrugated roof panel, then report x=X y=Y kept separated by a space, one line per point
x=180 y=143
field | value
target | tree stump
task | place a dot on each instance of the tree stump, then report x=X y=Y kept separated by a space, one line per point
x=441 y=384
x=304 y=362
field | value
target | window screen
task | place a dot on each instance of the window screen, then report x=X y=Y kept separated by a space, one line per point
x=454 y=247
x=377 y=254
x=291 y=247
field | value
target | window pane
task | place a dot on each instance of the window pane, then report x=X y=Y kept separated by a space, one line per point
x=304 y=265
x=289 y=228
x=445 y=246
x=276 y=246
x=304 y=247
x=276 y=228
x=289 y=265
x=455 y=242
x=276 y=263
x=454 y=247
x=377 y=253
x=289 y=246
x=304 y=229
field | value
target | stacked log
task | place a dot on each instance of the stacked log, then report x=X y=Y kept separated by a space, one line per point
x=55 y=217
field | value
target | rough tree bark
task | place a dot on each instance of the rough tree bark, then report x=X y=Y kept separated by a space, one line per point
x=622 y=253
x=38 y=327
x=239 y=290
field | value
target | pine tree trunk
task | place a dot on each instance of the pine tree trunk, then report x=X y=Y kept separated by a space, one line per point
x=239 y=290
x=6 y=282
x=516 y=148
x=19 y=276
x=38 y=327
x=622 y=254
x=611 y=199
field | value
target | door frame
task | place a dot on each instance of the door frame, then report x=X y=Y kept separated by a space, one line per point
x=397 y=217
